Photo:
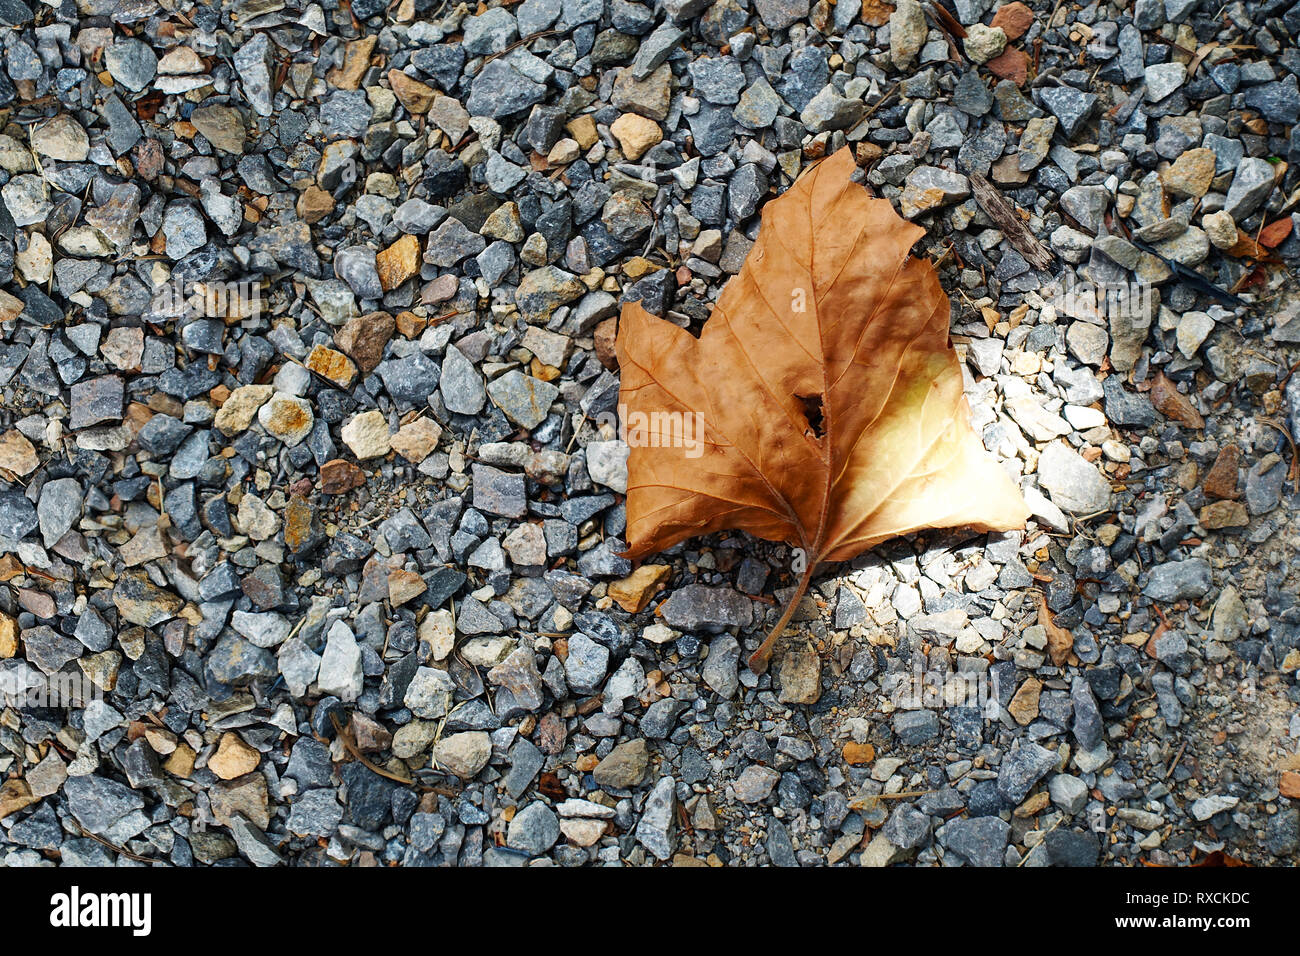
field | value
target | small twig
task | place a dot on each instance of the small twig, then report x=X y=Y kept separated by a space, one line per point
x=759 y=660
x=297 y=627
x=1294 y=471
x=1174 y=763
x=370 y=765
x=113 y=846
x=946 y=253
x=1258 y=354
x=991 y=200
x=521 y=42
x=1028 y=853
x=574 y=436
x=879 y=103
x=903 y=795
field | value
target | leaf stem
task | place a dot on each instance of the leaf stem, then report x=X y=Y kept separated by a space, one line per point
x=761 y=658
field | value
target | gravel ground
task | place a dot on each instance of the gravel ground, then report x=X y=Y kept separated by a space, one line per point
x=311 y=505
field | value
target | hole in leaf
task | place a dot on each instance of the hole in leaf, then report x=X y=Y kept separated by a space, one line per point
x=812 y=410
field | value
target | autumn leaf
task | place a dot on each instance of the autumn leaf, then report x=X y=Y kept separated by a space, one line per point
x=876 y=13
x=1174 y=404
x=1060 y=642
x=1219 y=858
x=821 y=406
x=1247 y=248
x=1275 y=233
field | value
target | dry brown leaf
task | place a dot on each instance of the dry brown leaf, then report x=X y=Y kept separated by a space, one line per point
x=1219 y=858
x=821 y=406
x=1275 y=233
x=1060 y=642
x=1201 y=54
x=947 y=22
x=1246 y=248
x=1174 y=404
x=875 y=13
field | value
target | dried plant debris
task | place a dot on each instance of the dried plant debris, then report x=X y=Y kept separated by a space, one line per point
x=821 y=407
x=323 y=541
